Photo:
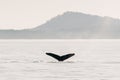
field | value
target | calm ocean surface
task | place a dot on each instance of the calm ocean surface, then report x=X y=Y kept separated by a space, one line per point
x=95 y=59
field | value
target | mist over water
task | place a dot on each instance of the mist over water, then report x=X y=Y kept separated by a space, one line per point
x=95 y=59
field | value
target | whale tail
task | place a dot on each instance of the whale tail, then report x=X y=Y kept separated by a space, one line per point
x=60 y=58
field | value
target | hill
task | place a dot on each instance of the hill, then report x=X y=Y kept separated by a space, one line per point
x=70 y=25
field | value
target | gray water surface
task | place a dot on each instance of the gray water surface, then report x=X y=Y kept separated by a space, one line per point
x=26 y=60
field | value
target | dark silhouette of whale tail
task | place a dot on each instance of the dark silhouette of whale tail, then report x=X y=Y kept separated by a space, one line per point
x=60 y=58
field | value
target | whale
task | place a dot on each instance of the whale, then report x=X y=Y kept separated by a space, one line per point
x=60 y=58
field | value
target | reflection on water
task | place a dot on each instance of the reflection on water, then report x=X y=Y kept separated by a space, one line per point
x=59 y=70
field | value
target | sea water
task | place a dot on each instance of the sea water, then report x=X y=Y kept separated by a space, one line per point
x=95 y=59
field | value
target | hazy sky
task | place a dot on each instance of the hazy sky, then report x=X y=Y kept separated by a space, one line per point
x=19 y=14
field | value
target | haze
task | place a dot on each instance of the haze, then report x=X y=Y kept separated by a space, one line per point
x=20 y=14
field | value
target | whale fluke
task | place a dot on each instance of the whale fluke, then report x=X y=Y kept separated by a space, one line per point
x=60 y=58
